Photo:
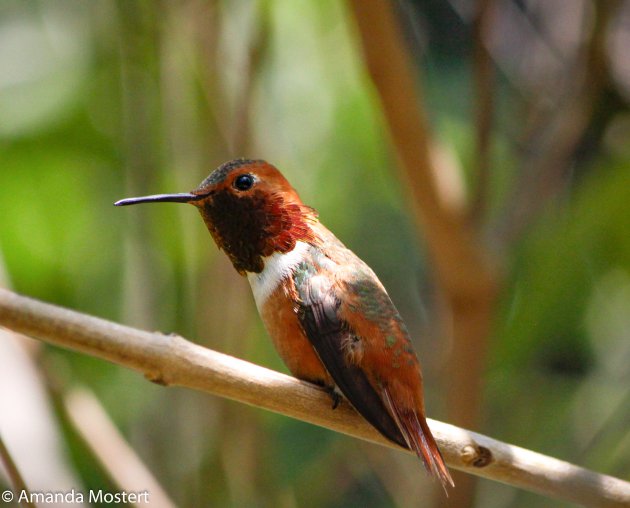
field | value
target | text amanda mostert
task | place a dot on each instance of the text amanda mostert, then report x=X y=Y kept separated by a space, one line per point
x=91 y=496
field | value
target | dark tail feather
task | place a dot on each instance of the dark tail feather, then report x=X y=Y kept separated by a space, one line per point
x=419 y=439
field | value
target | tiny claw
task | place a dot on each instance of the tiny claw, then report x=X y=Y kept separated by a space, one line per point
x=335 y=396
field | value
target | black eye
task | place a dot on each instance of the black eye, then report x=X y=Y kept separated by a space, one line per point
x=243 y=182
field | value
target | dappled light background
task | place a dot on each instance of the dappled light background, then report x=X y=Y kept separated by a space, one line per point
x=108 y=99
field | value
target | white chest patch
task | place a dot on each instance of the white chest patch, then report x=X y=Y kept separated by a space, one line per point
x=277 y=267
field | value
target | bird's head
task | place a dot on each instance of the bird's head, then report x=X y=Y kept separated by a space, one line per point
x=250 y=209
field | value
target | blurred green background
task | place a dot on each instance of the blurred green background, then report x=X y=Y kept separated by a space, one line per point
x=106 y=99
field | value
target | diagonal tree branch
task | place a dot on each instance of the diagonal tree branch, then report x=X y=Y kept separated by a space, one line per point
x=172 y=360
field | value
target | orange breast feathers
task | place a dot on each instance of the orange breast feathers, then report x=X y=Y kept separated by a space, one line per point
x=279 y=316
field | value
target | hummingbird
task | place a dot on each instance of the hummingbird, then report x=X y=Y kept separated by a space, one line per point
x=330 y=318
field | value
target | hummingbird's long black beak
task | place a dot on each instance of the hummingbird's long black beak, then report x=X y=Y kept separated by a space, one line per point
x=184 y=197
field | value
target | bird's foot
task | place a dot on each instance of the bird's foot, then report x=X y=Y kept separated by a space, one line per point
x=332 y=392
x=334 y=395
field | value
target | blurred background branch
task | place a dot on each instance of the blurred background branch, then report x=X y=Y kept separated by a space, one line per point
x=114 y=454
x=13 y=473
x=485 y=92
x=560 y=125
x=466 y=279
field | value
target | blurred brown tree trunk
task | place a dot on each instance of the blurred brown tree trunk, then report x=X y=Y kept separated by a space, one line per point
x=466 y=280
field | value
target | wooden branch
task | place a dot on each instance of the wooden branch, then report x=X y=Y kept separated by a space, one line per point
x=172 y=360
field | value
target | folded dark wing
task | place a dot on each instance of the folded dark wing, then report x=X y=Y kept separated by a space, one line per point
x=319 y=316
